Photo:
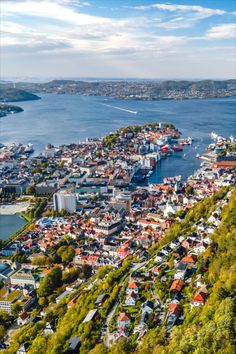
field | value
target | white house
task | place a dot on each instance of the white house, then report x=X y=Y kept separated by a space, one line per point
x=131 y=299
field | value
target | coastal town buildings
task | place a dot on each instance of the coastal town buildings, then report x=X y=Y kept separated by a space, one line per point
x=91 y=208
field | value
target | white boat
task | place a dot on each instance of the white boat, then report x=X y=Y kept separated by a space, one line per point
x=190 y=140
x=29 y=148
x=213 y=135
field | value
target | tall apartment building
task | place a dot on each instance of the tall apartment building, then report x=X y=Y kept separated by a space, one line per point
x=64 y=200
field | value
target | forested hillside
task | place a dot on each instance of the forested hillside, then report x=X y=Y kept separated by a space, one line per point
x=211 y=328
x=206 y=329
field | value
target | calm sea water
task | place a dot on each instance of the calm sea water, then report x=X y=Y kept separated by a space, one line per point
x=59 y=119
x=10 y=224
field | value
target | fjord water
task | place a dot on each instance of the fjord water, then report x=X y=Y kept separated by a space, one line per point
x=9 y=224
x=64 y=119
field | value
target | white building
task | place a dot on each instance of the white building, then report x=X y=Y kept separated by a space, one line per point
x=22 y=278
x=169 y=209
x=64 y=200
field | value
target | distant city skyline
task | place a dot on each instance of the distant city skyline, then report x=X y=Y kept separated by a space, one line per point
x=181 y=39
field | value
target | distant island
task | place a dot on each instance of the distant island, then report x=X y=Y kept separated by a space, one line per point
x=10 y=94
x=137 y=90
x=9 y=109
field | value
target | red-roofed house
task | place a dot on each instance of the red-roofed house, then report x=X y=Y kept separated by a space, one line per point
x=177 y=285
x=191 y=258
x=175 y=309
x=199 y=299
x=156 y=270
x=123 y=320
x=123 y=252
x=132 y=288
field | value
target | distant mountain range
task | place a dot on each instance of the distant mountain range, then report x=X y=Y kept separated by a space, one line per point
x=139 y=90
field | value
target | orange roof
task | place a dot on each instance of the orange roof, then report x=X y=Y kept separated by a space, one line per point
x=189 y=259
x=46 y=271
x=132 y=285
x=123 y=317
x=124 y=249
x=177 y=285
x=175 y=308
x=71 y=303
x=144 y=221
x=199 y=297
x=156 y=269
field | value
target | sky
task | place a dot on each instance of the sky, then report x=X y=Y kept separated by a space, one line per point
x=183 y=39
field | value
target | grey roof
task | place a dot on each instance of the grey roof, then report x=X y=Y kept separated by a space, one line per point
x=73 y=343
x=90 y=315
x=100 y=298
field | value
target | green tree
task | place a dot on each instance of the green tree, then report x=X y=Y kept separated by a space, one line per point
x=50 y=282
x=70 y=276
x=39 y=346
x=87 y=270
x=30 y=190
x=122 y=347
x=2 y=332
x=102 y=271
x=189 y=190
x=99 y=349
x=16 y=308
x=66 y=253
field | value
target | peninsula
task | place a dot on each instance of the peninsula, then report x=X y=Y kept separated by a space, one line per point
x=10 y=94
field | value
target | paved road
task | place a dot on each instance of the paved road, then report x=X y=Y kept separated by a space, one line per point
x=108 y=335
x=138 y=266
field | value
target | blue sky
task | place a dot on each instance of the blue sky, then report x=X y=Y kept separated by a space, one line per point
x=118 y=38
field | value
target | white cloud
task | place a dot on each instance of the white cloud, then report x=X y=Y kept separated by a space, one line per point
x=174 y=16
x=80 y=32
x=12 y=27
x=75 y=3
x=49 y=10
x=223 y=31
x=56 y=29
x=183 y=8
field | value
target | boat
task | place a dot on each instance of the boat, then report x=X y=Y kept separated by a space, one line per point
x=29 y=148
x=213 y=135
x=165 y=148
x=176 y=148
x=190 y=140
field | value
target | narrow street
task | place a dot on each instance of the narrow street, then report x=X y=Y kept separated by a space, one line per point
x=108 y=336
